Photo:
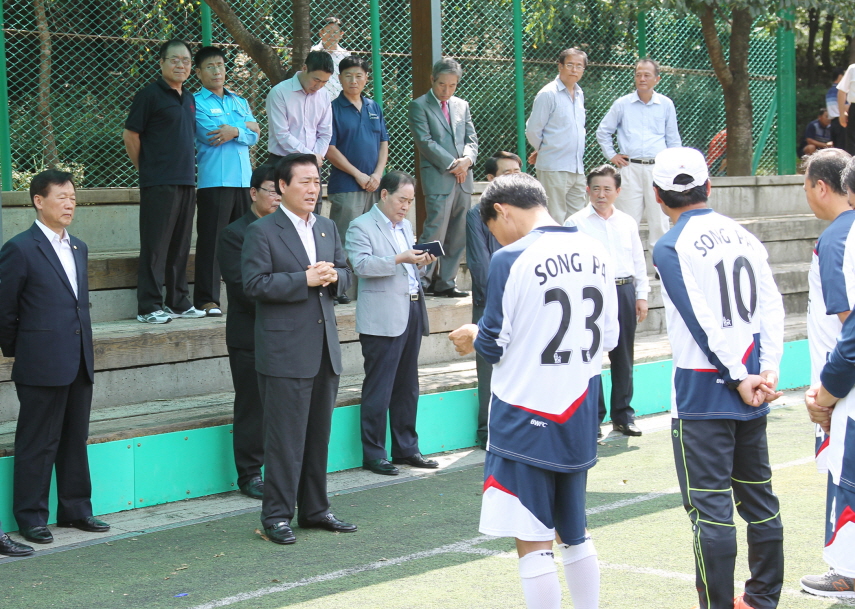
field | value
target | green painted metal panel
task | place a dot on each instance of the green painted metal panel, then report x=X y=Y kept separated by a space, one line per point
x=447 y=421
x=183 y=464
x=111 y=467
x=651 y=387
x=345 y=443
x=795 y=365
x=6 y=520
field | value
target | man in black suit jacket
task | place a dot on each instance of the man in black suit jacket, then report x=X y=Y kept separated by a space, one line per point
x=45 y=326
x=247 y=432
x=293 y=266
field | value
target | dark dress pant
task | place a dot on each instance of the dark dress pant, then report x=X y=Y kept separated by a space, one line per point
x=484 y=370
x=216 y=209
x=166 y=225
x=297 y=422
x=53 y=426
x=391 y=385
x=850 y=133
x=719 y=462
x=248 y=428
x=621 y=358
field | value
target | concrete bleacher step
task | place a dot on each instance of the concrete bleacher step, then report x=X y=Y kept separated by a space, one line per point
x=137 y=362
x=181 y=414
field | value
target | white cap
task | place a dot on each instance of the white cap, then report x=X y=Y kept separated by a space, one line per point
x=673 y=162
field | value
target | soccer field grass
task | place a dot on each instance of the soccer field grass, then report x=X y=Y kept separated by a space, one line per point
x=418 y=545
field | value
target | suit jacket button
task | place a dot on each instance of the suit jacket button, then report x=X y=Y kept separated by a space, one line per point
x=77 y=331
x=320 y=321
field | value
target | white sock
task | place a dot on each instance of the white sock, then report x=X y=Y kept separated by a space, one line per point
x=539 y=577
x=582 y=572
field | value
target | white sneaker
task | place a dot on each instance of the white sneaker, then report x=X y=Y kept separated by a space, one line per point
x=157 y=317
x=191 y=313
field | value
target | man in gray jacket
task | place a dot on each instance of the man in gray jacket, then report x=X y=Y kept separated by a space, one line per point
x=391 y=319
x=448 y=148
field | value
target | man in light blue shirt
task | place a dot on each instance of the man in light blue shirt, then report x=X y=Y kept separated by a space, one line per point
x=646 y=124
x=225 y=129
x=556 y=131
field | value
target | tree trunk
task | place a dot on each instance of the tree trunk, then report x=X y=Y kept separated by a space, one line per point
x=51 y=158
x=261 y=53
x=825 y=49
x=810 y=59
x=301 y=43
x=733 y=76
x=851 y=50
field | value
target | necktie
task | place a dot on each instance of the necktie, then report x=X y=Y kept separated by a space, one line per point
x=445 y=112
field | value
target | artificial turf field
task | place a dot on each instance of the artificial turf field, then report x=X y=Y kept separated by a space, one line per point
x=418 y=545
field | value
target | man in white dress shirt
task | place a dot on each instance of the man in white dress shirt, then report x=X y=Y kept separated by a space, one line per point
x=646 y=124
x=330 y=35
x=556 y=131
x=618 y=232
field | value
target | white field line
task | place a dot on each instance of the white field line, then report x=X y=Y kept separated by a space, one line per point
x=465 y=547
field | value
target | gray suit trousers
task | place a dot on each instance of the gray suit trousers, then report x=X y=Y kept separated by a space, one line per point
x=446 y=223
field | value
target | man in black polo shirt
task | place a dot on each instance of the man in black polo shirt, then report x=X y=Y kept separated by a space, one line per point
x=159 y=137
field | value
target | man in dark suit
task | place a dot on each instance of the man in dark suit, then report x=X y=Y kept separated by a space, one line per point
x=293 y=266
x=247 y=433
x=448 y=148
x=45 y=326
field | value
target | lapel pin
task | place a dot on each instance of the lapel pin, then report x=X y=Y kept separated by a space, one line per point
x=323 y=234
x=74 y=246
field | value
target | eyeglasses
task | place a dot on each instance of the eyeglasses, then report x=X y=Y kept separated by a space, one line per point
x=578 y=67
x=215 y=68
x=272 y=193
x=185 y=61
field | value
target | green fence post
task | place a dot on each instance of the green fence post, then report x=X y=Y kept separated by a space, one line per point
x=641 y=36
x=207 y=27
x=786 y=93
x=5 y=129
x=376 y=60
x=519 y=85
x=764 y=135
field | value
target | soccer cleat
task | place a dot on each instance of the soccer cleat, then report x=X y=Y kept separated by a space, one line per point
x=829 y=584
x=157 y=317
x=192 y=313
x=739 y=603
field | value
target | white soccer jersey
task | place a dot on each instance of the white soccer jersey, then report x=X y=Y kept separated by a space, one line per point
x=551 y=311
x=724 y=313
x=831 y=291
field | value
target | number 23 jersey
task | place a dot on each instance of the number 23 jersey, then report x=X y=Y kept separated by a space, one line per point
x=724 y=313
x=551 y=312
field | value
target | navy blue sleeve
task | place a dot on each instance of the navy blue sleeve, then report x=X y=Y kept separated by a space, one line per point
x=490 y=325
x=477 y=254
x=838 y=375
x=830 y=251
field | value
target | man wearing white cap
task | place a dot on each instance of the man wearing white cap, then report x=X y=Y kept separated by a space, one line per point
x=725 y=321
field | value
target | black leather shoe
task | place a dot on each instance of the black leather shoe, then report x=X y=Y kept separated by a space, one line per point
x=343 y=299
x=331 y=523
x=630 y=429
x=40 y=534
x=280 y=533
x=10 y=547
x=416 y=460
x=254 y=488
x=380 y=466
x=451 y=293
x=89 y=524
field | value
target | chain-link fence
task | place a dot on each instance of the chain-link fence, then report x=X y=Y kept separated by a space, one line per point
x=74 y=67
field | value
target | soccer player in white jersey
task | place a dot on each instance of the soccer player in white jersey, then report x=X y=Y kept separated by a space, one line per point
x=832 y=269
x=725 y=321
x=831 y=404
x=551 y=312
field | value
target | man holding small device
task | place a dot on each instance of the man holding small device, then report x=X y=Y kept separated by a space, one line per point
x=391 y=318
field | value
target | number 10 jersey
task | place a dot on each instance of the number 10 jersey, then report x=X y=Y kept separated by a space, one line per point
x=551 y=312
x=724 y=313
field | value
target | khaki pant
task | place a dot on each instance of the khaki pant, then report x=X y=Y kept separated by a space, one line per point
x=565 y=193
x=638 y=199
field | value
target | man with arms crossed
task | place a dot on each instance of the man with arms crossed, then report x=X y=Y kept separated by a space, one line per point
x=292 y=266
x=391 y=318
x=448 y=147
x=551 y=311
x=248 y=432
x=831 y=281
x=646 y=123
x=225 y=129
x=45 y=326
x=726 y=327
x=556 y=131
x=618 y=232
x=830 y=405
x=480 y=245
